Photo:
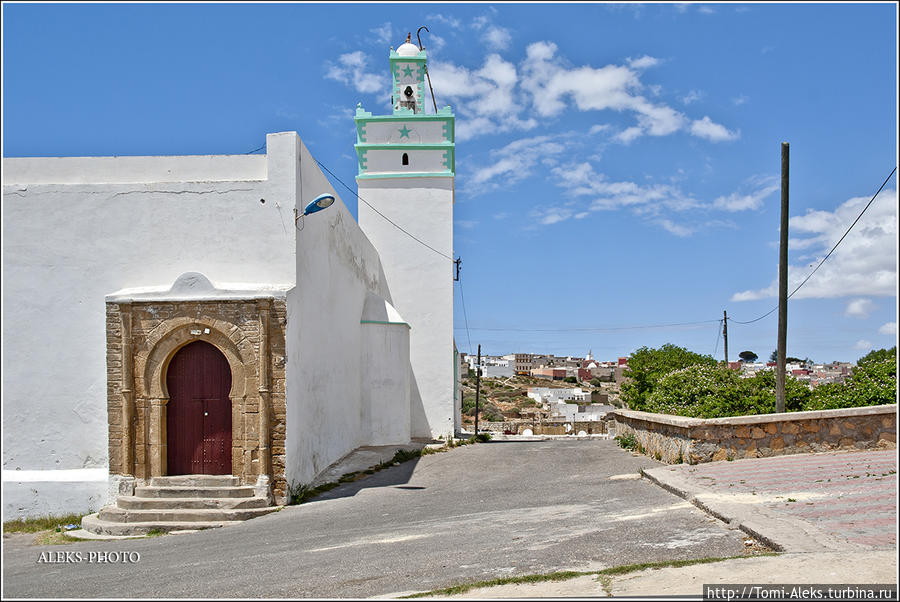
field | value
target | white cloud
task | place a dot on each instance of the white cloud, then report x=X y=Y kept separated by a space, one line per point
x=553 y=215
x=468 y=224
x=383 y=34
x=627 y=135
x=643 y=62
x=486 y=99
x=742 y=201
x=350 y=70
x=497 y=38
x=863 y=344
x=600 y=127
x=514 y=162
x=501 y=96
x=692 y=96
x=859 y=308
x=450 y=21
x=581 y=180
x=739 y=100
x=706 y=9
x=888 y=328
x=863 y=265
x=714 y=132
x=676 y=229
x=481 y=22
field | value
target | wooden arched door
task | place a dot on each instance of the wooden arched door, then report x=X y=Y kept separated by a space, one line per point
x=198 y=415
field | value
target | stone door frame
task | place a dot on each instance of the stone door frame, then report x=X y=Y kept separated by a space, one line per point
x=137 y=413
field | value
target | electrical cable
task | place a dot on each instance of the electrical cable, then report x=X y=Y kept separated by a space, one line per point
x=829 y=252
x=466 y=317
x=598 y=329
x=381 y=214
x=718 y=336
x=255 y=149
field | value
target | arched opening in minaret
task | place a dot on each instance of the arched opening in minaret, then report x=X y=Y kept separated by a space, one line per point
x=405 y=159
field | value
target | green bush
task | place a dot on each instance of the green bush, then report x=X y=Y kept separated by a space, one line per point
x=873 y=382
x=627 y=441
x=716 y=392
x=595 y=382
x=570 y=379
x=647 y=366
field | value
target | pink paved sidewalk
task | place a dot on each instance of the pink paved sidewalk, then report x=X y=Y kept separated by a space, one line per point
x=851 y=496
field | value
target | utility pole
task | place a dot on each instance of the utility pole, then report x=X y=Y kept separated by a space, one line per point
x=477 y=387
x=725 y=334
x=782 y=281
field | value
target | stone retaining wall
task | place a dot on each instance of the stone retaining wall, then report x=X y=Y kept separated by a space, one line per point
x=676 y=439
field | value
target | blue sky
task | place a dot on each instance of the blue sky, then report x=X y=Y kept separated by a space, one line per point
x=618 y=165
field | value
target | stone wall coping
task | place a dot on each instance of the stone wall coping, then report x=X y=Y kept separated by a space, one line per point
x=194 y=286
x=685 y=422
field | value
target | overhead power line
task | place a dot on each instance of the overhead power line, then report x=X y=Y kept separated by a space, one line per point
x=597 y=329
x=393 y=223
x=465 y=316
x=799 y=286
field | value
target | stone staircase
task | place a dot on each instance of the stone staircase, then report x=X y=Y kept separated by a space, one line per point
x=179 y=503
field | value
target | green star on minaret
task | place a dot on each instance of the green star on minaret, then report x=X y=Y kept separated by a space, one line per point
x=404 y=131
x=408 y=72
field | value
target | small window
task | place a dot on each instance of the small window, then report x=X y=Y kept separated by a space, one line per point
x=405 y=159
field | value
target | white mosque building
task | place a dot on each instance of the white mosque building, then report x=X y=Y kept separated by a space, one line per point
x=184 y=315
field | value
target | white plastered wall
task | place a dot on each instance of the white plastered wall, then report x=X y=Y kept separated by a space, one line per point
x=421 y=284
x=390 y=161
x=337 y=268
x=417 y=131
x=78 y=228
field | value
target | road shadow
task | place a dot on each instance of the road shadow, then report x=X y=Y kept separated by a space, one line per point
x=393 y=476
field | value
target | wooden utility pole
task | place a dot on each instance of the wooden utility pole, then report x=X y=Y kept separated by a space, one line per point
x=725 y=334
x=477 y=387
x=782 y=281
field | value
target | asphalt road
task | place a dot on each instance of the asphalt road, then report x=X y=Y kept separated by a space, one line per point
x=474 y=513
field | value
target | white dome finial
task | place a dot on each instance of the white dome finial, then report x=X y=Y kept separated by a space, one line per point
x=408 y=48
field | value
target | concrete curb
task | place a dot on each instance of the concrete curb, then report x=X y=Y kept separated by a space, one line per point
x=751 y=530
x=781 y=533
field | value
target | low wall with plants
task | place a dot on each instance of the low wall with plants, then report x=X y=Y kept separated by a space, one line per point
x=677 y=439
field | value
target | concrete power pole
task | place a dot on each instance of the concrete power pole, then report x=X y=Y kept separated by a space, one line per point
x=477 y=387
x=782 y=281
x=725 y=334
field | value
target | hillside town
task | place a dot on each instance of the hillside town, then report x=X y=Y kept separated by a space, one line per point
x=546 y=394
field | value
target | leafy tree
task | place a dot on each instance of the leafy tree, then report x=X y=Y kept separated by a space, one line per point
x=878 y=355
x=789 y=359
x=873 y=382
x=747 y=356
x=570 y=379
x=702 y=391
x=595 y=382
x=647 y=366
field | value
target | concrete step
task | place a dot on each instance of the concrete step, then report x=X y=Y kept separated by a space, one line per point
x=130 y=502
x=196 y=480
x=115 y=514
x=94 y=524
x=182 y=491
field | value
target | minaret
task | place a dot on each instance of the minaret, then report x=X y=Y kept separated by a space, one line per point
x=406 y=173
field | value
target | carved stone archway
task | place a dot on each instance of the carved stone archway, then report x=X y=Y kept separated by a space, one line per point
x=142 y=338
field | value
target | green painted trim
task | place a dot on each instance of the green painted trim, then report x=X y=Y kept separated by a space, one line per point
x=416 y=116
x=421 y=57
x=405 y=145
x=382 y=176
x=385 y=323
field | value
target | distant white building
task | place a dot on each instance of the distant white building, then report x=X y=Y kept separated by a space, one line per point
x=546 y=395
